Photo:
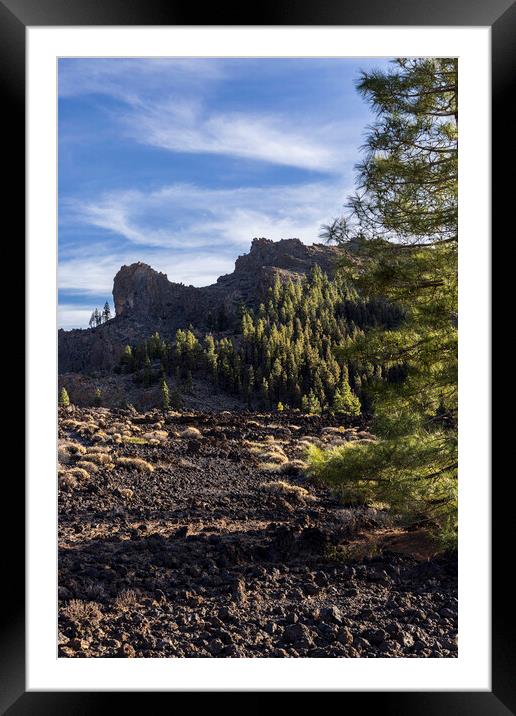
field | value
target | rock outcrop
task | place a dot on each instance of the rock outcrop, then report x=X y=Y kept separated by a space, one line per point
x=146 y=301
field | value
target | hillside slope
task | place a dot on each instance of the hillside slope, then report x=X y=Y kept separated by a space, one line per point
x=146 y=301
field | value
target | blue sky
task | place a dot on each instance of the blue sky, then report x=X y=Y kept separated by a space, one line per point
x=181 y=162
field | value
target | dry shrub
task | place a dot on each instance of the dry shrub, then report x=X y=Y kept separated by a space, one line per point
x=78 y=611
x=100 y=437
x=306 y=444
x=116 y=427
x=88 y=466
x=135 y=462
x=266 y=448
x=68 y=451
x=285 y=489
x=331 y=431
x=292 y=467
x=99 y=458
x=159 y=435
x=126 y=493
x=88 y=429
x=126 y=600
x=71 y=424
x=98 y=449
x=252 y=446
x=254 y=424
x=79 y=473
x=273 y=456
x=190 y=432
x=269 y=467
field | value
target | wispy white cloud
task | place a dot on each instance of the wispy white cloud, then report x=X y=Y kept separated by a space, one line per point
x=181 y=126
x=167 y=105
x=186 y=216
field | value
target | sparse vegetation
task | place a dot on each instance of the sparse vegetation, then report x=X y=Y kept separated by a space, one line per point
x=126 y=493
x=165 y=395
x=136 y=463
x=288 y=490
x=82 y=612
x=64 y=399
x=126 y=600
x=88 y=466
x=191 y=432
x=99 y=458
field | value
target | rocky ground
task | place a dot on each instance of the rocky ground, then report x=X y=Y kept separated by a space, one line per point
x=199 y=535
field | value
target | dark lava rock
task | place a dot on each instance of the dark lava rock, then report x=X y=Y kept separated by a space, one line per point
x=331 y=614
x=297 y=633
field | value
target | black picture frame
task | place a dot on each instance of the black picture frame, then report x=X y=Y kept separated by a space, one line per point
x=15 y=17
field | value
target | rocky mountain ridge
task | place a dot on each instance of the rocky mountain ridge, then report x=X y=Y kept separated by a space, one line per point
x=146 y=301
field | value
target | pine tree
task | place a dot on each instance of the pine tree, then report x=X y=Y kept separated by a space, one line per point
x=176 y=401
x=155 y=346
x=403 y=229
x=345 y=402
x=165 y=395
x=310 y=404
x=106 y=312
x=127 y=360
x=64 y=399
x=97 y=398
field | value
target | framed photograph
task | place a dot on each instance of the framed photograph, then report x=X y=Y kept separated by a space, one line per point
x=258 y=365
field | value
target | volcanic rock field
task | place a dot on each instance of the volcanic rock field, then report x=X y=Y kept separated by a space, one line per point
x=203 y=535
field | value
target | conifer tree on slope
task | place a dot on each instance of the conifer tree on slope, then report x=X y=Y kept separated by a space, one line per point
x=64 y=399
x=106 y=312
x=402 y=222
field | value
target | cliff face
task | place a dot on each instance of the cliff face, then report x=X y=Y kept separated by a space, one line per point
x=146 y=301
x=288 y=254
x=140 y=291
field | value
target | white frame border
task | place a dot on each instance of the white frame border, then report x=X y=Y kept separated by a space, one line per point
x=471 y=670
